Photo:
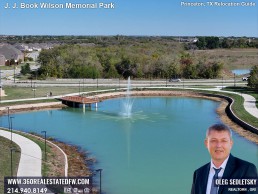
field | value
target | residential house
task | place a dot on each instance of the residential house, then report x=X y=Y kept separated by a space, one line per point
x=2 y=60
x=10 y=52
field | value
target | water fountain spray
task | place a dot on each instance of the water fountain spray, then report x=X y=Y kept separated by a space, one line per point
x=128 y=102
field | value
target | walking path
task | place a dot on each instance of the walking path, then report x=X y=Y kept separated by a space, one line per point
x=249 y=102
x=30 y=161
x=24 y=106
x=250 y=105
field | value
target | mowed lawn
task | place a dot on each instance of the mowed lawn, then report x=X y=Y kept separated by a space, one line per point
x=28 y=92
x=5 y=160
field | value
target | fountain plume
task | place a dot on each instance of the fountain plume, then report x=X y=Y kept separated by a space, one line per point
x=128 y=101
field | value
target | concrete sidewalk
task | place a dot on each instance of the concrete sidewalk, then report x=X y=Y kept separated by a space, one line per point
x=250 y=105
x=38 y=105
x=249 y=102
x=31 y=156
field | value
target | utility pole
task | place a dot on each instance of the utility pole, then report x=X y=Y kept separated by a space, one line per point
x=99 y=170
x=34 y=89
x=8 y=114
x=234 y=80
x=14 y=73
x=79 y=88
x=11 y=118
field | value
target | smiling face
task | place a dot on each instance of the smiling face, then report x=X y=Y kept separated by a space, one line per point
x=219 y=144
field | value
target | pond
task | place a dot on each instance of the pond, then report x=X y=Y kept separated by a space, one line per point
x=155 y=150
x=241 y=71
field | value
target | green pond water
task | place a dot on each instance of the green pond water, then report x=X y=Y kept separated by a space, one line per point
x=155 y=151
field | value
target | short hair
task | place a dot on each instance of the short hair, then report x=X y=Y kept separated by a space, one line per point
x=219 y=127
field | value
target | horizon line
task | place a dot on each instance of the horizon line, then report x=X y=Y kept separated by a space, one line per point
x=133 y=35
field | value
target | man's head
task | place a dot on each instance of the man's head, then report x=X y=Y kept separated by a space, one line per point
x=218 y=142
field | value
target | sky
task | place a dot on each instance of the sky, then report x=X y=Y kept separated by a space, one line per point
x=130 y=17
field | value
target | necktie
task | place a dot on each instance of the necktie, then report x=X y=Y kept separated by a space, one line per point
x=214 y=188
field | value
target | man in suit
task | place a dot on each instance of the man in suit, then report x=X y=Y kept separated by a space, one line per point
x=219 y=143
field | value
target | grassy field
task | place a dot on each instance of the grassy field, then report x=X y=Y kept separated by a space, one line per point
x=10 y=67
x=17 y=66
x=28 y=92
x=232 y=58
x=5 y=160
x=27 y=102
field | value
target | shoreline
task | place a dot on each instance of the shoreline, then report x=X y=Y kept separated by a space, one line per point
x=82 y=161
x=158 y=93
x=31 y=107
x=59 y=154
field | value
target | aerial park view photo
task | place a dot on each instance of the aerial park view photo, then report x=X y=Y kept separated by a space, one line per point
x=136 y=97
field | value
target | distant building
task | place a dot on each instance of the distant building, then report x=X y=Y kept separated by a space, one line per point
x=21 y=47
x=195 y=40
x=2 y=60
x=34 y=46
x=187 y=39
x=9 y=52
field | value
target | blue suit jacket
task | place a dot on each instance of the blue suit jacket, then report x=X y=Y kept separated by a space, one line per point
x=235 y=168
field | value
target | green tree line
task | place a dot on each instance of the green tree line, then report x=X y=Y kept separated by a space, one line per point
x=204 y=42
x=142 y=59
x=211 y=42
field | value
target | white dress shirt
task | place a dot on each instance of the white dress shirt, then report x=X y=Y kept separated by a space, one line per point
x=212 y=173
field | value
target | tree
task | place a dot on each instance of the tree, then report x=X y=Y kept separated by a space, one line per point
x=209 y=42
x=212 y=42
x=216 y=69
x=201 y=43
x=112 y=72
x=188 y=68
x=126 y=68
x=241 y=43
x=210 y=70
x=173 y=70
x=227 y=43
x=25 y=69
x=253 y=79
